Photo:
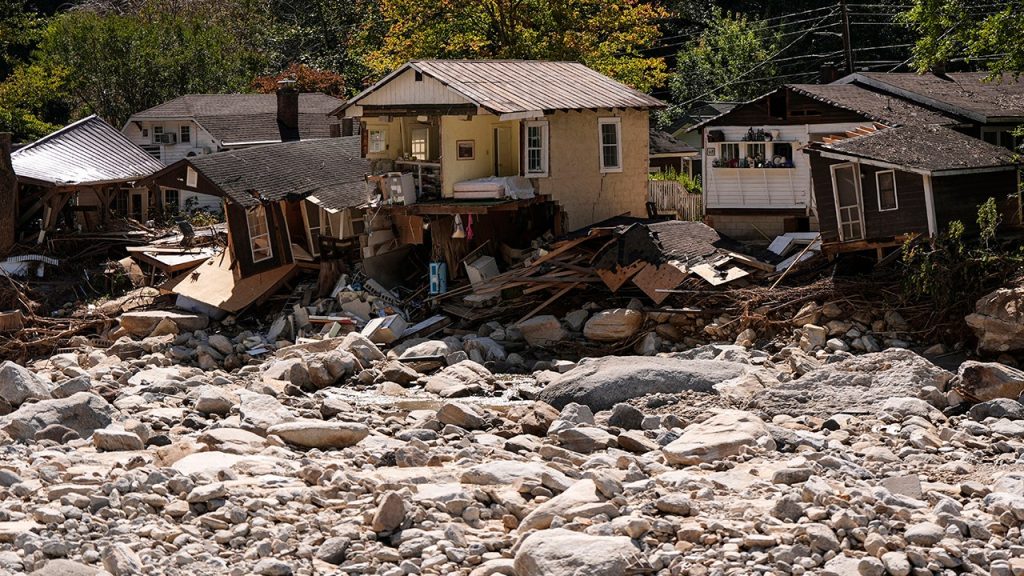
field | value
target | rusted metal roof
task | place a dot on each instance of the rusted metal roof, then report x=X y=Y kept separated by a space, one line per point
x=521 y=86
x=87 y=152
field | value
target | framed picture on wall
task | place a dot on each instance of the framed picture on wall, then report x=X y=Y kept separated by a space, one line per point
x=465 y=149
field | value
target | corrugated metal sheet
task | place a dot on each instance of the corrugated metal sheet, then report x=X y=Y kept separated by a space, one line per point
x=511 y=86
x=89 y=151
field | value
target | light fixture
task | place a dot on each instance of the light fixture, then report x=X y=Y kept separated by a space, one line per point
x=460 y=231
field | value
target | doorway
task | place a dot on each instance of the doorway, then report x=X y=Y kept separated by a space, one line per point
x=503 y=151
x=849 y=202
x=136 y=206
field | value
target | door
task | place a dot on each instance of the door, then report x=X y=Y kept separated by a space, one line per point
x=849 y=203
x=136 y=207
x=503 y=151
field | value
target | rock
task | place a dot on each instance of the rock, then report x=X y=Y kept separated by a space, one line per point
x=272 y=567
x=82 y=412
x=626 y=417
x=676 y=504
x=207 y=492
x=361 y=347
x=233 y=441
x=998 y=321
x=902 y=407
x=390 y=513
x=61 y=567
x=907 y=485
x=395 y=371
x=459 y=376
x=114 y=440
x=320 y=433
x=542 y=330
x=821 y=538
x=809 y=313
x=577 y=500
x=221 y=343
x=600 y=383
x=562 y=552
x=292 y=370
x=613 y=325
x=924 y=534
x=461 y=415
x=584 y=439
x=333 y=550
x=143 y=323
x=576 y=319
x=505 y=472
x=984 y=381
x=538 y=419
x=814 y=337
x=18 y=384
x=726 y=434
x=260 y=411
x=860 y=384
x=635 y=441
x=120 y=560
x=215 y=400
x=998 y=408
x=896 y=563
x=487 y=348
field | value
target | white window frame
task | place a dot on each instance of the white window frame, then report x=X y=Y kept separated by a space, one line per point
x=545 y=150
x=413 y=142
x=860 y=199
x=185 y=133
x=601 y=123
x=251 y=216
x=895 y=191
x=377 y=146
x=308 y=208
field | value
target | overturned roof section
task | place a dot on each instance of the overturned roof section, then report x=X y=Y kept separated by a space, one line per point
x=329 y=169
x=505 y=87
x=88 y=152
x=969 y=94
x=245 y=118
x=923 y=149
x=665 y=144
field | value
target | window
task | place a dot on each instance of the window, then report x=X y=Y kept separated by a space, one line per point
x=420 y=143
x=259 y=234
x=145 y=132
x=782 y=153
x=172 y=200
x=730 y=153
x=313 y=220
x=886 y=183
x=611 y=144
x=536 y=149
x=186 y=134
x=1001 y=136
x=378 y=140
x=755 y=152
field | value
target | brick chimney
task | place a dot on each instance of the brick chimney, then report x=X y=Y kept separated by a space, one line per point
x=829 y=74
x=288 y=109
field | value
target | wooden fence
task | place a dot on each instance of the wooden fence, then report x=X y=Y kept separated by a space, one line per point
x=669 y=197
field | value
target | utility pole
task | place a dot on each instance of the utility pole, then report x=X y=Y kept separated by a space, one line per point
x=847 y=45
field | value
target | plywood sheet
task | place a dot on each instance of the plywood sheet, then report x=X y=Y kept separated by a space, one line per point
x=666 y=276
x=618 y=276
x=214 y=283
x=717 y=277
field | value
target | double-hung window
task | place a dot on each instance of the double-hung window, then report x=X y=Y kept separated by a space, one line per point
x=886 y=183
x=186 y=133
x=610 y=130
x=377 y=140
x=259 y=234
x=536 y=146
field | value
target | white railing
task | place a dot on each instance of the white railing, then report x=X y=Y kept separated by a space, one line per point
x=669 y=196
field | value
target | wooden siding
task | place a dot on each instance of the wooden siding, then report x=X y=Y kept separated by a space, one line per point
x=405 y=90
x=238 y=229
x=958 y=197
x=800 y=110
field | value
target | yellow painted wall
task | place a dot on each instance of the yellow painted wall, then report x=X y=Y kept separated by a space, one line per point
x=480 y=129
x=575 y=179
x=394 y=138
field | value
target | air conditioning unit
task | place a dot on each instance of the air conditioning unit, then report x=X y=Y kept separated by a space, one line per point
x=166 y=138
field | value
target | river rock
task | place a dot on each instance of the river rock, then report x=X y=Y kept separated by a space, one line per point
x=143 y=323
x=82 y=412
x=998 y=321
x=723 y=435
x=562 y=552
x=319 y=433
x=18 y=384
x=613 y=325
x=542 y=330
x=985 y=381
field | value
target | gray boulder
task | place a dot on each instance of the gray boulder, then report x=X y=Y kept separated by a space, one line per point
x=601 y=383
x=82 y=412
x=566 y=553
x=998 y=408
x=18 y=384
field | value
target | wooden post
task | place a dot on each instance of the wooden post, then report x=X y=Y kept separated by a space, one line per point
x=8 y=196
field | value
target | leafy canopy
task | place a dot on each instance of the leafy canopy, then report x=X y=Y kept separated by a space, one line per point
x=948 y=29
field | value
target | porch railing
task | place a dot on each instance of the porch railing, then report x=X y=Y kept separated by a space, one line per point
x=669 y=197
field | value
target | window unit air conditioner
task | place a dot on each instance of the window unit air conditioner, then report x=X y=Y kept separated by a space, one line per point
x=166 y=138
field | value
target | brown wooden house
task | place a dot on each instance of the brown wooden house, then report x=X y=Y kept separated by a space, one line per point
x=876 y=186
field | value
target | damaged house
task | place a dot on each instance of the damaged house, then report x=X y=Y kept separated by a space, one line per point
x=282 y=203
x=199 y=124
x=78 y=175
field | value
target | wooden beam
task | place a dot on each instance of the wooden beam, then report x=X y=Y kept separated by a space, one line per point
x=545 y=303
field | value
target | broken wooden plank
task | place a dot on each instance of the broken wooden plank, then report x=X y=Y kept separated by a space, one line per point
x=545 y=303
x=653 y=278
x=750 y=261
x=617 y=277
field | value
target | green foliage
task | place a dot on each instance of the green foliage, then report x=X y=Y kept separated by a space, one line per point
x=718 y=65
x=607 y=35
x=689 y=183
x=989 y=219
x=30 y=99
x=947 y=29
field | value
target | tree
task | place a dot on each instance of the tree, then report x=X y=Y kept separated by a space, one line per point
x=731 y=60
x=306 y=80
x=33 y=102
x=607 y=35
x=949 y=29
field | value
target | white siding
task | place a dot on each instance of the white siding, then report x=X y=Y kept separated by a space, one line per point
x=405 y=90
x=764 y=188
x=202 y=142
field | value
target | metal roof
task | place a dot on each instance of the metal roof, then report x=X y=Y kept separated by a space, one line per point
x=511 y=86
x=87 y=152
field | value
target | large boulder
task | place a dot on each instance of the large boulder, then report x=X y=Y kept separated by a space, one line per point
x=142 y=324
x=563 y=552
x=726 y=434
x=320 y=433
x=601 y=383
x=542 y=331
x=579 y=500
x=18 y=384
x=260 y=411
x=998 y=321
x=984 y=381
x=857 y=385
x=458 y=377
x=82 y=412
x=613 y=325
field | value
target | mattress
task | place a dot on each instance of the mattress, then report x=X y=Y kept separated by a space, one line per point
x=493 y=187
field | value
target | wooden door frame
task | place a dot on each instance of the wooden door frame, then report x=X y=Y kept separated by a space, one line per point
x=858 y=190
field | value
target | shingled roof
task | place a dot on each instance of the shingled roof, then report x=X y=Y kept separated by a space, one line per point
x=329 y=169
x=514 y=86
x=931 y=149
x=87 y=152
x=873 y=105
x=246 y=118
x=665 y=143
x=969 y=94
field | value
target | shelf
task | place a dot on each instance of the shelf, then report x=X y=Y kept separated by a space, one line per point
x=752 y=169
x=757 y=142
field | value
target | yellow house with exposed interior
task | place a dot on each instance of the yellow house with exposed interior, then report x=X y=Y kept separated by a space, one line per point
x=489 y=129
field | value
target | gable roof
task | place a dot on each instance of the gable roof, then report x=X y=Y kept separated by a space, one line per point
x=524 y=86
x=968 y=94
x=87 y=152
x=870 y=104
x=245 y=118
x=329 y=169
x=927 y=149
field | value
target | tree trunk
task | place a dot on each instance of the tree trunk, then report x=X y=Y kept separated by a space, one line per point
x=8 y=196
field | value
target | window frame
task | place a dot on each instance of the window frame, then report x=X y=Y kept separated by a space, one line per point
x=185 y=133
x=177 y=199
x=895 y=191
x=370 y=142
x=545 y=149
x=313 y=233
x=249 y=218
x=601 y=123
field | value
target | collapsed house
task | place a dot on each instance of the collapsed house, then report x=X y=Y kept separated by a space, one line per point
x=283 y=203
x=78 y=175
